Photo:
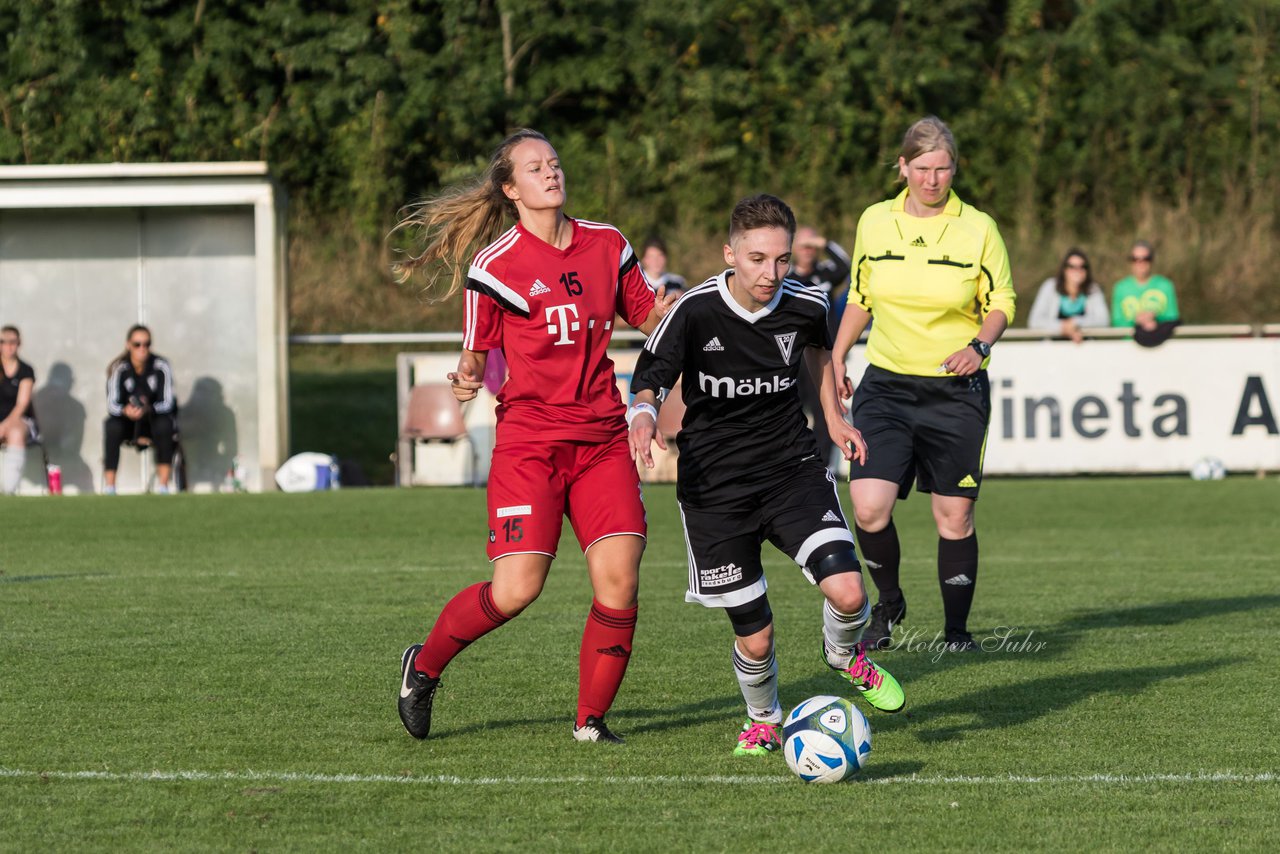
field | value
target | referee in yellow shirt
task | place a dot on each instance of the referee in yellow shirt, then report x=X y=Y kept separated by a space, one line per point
x=934 y=273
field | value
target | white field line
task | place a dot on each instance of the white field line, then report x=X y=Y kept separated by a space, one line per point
x=729 y=780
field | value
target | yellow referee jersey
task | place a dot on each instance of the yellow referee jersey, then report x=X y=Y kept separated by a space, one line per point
x=927 y=282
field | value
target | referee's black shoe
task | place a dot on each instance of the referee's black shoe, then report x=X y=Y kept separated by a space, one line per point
x=884 y=617
x=417 y=690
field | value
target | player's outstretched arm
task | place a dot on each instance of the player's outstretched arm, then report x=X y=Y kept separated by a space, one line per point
x=469 y=378
x=642 y=427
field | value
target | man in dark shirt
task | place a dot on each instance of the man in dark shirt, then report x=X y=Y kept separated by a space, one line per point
x=822 y=264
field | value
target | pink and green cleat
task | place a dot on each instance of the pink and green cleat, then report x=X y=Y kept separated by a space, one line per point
x=877 y=685
x=758 y=738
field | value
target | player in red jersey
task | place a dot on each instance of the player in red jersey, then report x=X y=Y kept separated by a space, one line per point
x=545 y=292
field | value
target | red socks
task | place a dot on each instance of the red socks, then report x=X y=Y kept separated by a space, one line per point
x=467 y=617
x=602 y=661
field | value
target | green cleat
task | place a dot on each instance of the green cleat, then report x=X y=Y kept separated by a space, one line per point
x=758 y=738
x=877 y=685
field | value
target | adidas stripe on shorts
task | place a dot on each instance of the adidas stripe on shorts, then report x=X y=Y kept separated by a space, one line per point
x=798 y=511
x=932 y=430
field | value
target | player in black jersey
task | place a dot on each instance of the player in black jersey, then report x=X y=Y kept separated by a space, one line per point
x=748 y=466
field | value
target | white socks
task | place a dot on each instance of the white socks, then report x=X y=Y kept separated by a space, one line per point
x=759 y=683
x=841 y=632
x=14 y=460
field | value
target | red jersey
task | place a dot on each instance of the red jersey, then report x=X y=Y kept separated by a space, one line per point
x=551 y=311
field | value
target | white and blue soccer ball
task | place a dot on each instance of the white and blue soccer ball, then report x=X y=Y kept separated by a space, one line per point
x=308 y=472
x=1208 y=468
x=826 y=740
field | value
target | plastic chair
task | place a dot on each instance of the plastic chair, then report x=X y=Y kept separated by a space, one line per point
x=433 y=415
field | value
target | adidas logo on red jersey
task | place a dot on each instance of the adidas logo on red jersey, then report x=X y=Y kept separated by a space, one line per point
x=538 y=288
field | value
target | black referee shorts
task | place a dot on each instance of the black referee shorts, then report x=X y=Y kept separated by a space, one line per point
x=930 y=429
x=798 y=511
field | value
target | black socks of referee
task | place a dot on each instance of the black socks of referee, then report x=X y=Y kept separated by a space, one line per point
x=957 y=571
x=957 y=575
x=882 y=555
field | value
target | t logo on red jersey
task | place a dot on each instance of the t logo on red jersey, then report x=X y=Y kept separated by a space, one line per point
x=558 y=322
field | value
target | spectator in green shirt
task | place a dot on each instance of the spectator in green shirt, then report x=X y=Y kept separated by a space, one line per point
x=1143 y=299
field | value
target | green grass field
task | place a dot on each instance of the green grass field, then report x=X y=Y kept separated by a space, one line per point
x=218 y=672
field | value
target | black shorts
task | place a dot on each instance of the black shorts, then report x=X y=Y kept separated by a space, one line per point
x=930 y=429
x=799 y=512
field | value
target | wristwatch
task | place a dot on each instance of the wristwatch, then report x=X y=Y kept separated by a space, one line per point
x=983 y=348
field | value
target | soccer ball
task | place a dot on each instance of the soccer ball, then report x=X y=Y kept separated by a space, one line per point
x=826 y=740
x=1208 y=468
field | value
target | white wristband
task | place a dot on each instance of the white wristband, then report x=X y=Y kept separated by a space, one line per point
x=637 y=408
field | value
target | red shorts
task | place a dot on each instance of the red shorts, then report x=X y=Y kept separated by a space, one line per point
x=534 y=485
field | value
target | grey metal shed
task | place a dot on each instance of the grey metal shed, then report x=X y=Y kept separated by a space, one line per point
x=193 y=250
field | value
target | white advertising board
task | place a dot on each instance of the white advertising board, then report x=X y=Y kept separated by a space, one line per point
x=1100 y=406
x=1112 y=406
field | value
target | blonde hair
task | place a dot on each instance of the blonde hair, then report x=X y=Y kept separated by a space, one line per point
x=928 y=135
x=456 y=223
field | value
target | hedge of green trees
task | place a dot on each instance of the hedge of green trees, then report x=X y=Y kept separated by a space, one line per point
x=1091 y=120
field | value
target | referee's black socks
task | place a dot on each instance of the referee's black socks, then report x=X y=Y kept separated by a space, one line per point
x=882 y=555
x=957 y=575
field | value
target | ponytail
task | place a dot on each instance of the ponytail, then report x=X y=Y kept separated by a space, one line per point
x=457 y=222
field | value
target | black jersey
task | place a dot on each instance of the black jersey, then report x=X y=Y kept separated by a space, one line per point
x=153 y=387
x=743 y=421
x=9 y=389
x=830 y=274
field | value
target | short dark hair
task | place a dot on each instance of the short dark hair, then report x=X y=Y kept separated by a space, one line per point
x=1144 y=244
x=653 y=243
x=10 y=328
x=761 y=211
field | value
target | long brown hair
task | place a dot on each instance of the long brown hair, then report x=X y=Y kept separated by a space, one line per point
x=1061 y=281
x=124 y=357
x=452 y=225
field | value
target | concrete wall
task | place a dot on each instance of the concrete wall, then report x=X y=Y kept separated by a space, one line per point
x=205 y=277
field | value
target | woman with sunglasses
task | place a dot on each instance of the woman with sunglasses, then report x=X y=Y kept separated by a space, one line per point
x=140 y=408
x=17 y=418
x=1142 y=300
x=1070 y=300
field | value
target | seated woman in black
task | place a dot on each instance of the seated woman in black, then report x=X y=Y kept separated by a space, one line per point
x=141 y=408
x=17 y=418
